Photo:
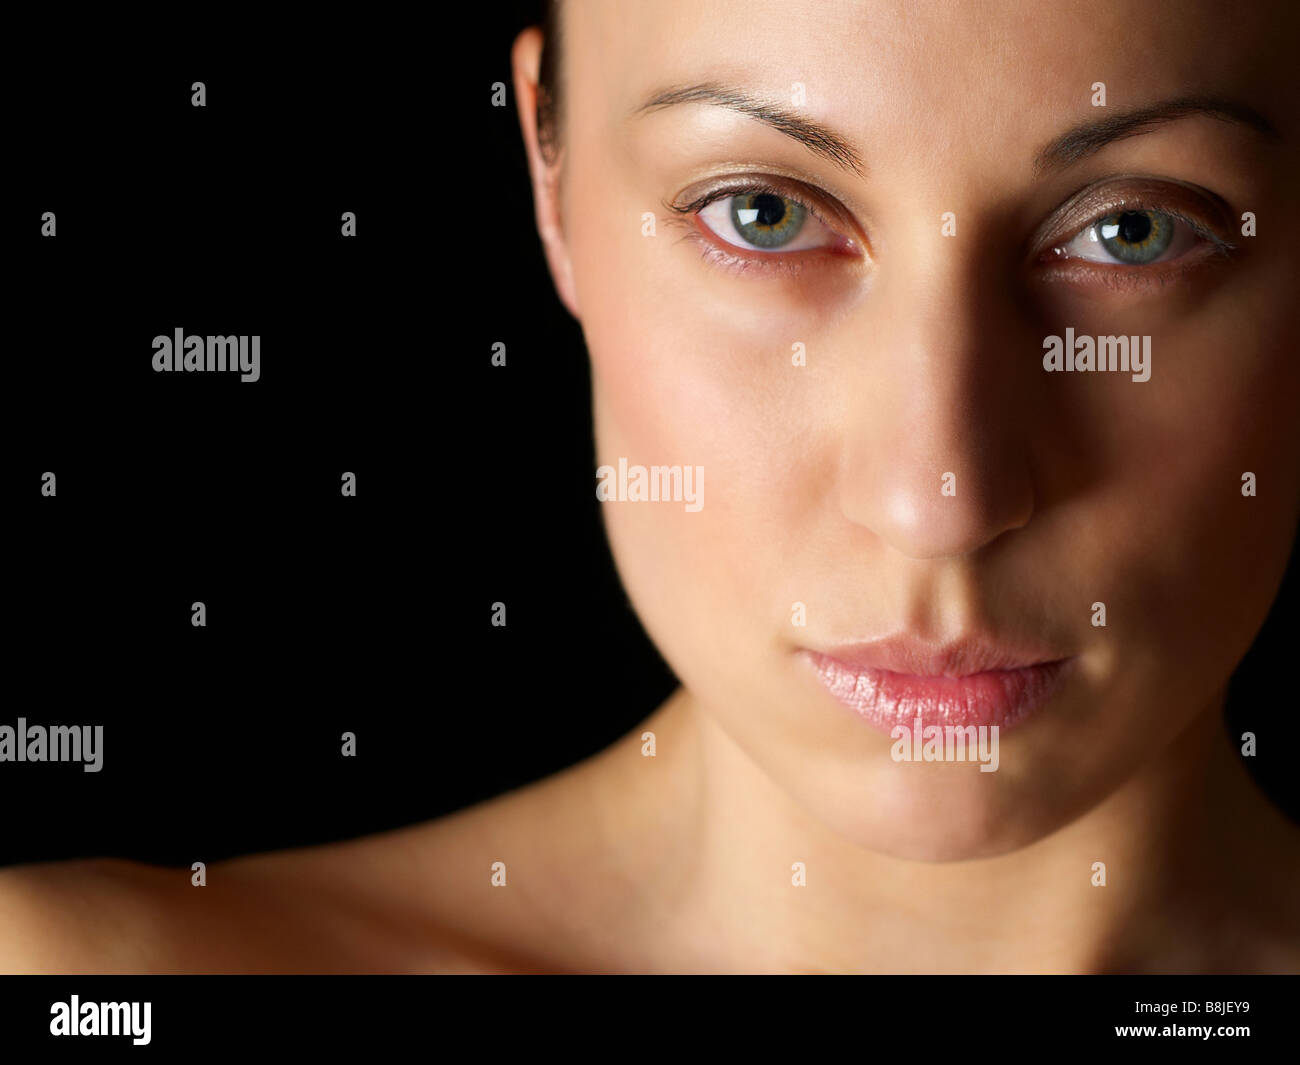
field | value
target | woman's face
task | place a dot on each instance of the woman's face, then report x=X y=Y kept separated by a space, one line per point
x=828 y=369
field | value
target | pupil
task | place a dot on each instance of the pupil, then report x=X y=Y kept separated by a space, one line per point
x=771 y=209
x=1134 y=227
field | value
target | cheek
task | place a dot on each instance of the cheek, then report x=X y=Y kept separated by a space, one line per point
x=1186 y=563
x=685 y=375
x=665 y=394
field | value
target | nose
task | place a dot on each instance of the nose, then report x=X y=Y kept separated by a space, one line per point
x=936 y=455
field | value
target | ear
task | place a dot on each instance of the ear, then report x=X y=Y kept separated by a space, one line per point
x=526 y=58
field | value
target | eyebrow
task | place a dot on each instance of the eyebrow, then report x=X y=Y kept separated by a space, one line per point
x=1075 y=144
x=812 y=135
x=1089 y=137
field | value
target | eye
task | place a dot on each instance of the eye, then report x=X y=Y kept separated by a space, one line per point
x=1131 y=238
x=765 y=221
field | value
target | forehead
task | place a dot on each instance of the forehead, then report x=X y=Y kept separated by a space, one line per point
x=933 y=72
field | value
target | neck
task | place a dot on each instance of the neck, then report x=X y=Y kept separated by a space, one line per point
x=1164 y=837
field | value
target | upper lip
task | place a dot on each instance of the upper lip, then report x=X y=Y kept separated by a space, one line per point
x=916 y=657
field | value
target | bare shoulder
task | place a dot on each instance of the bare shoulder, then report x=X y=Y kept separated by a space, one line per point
x=1258 y=929
x=1276 y=903
x=422 y=899
x=582 y=871
x=554 y=876
x=113 y=916
x=68 y=916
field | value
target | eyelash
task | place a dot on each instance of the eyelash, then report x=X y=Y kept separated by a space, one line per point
x=724 y=254
x=733 y=257
x=1118 y=276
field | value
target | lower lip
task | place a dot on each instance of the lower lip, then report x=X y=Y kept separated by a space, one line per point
x=1001 y=697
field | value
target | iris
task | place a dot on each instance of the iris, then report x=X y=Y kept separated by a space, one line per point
x=1136 y=236
x=767 y=220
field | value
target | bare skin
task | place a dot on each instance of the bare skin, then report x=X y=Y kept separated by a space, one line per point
x=605 y=874
x=923 y=356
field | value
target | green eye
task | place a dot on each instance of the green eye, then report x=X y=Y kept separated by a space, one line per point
x=1136 y=236
x=767 y=220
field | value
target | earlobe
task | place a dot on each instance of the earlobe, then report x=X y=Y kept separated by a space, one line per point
x=525 y=59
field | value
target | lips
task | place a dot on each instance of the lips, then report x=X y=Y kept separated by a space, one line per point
x=969 y=682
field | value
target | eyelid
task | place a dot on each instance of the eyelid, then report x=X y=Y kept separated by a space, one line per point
x=1189 y=204
x=820 y=205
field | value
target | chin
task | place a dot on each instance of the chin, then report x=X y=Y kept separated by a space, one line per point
x=936 y=815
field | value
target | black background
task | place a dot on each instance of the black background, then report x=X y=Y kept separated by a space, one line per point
x=325 y=614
